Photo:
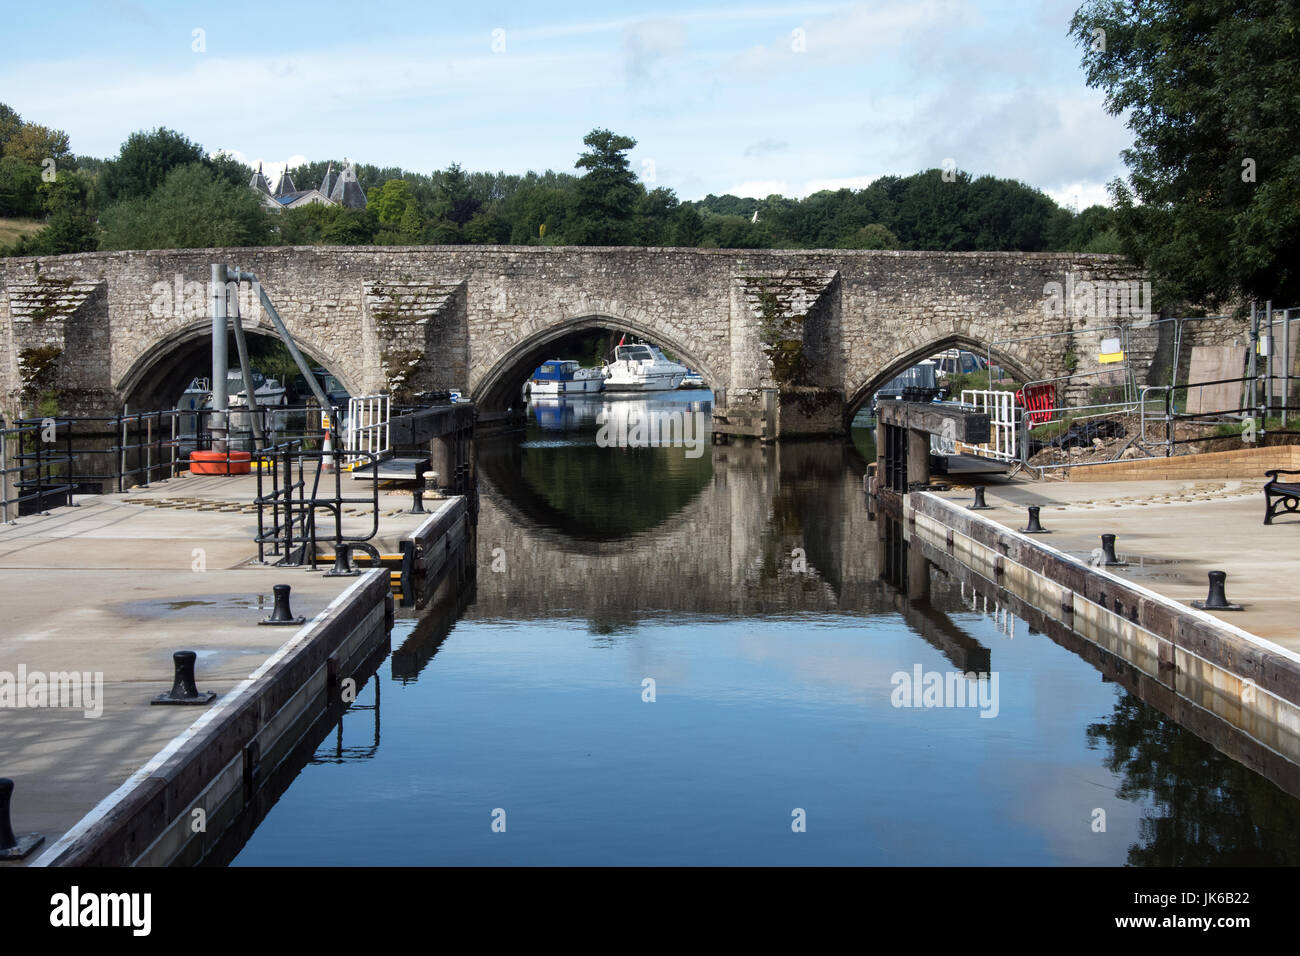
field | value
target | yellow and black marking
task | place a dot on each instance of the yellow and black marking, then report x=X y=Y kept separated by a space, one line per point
x=398 y=570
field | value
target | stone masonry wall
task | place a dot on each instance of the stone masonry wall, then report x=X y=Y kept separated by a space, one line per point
x=473 y=317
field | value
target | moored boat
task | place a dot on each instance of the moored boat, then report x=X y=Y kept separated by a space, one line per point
x=642 y=368
x=564 y=377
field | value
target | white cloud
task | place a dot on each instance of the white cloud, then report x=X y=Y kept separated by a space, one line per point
x=271 y=168
x=1085 y=194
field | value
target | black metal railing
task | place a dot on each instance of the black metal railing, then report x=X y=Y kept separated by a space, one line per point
x=287 y=524
x=35 y=466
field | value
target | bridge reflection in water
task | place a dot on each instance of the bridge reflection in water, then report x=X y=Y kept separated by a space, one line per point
x=774 y=613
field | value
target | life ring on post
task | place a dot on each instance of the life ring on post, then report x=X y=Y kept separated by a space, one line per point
x=220 y=463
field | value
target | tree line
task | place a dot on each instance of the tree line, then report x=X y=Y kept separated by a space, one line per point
x=164 y=191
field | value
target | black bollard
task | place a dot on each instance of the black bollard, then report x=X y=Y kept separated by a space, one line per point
x=1216 y=599
x=980 y=504
x=12 y=846
x=1109 y=560
x=281 y=615
x=342 y=565
x=1034 y=526
x=183 y=689
x=418 y=507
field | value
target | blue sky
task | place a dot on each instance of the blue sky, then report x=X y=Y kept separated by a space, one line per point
x=747 y=97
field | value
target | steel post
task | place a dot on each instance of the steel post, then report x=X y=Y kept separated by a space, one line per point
x=220 y=360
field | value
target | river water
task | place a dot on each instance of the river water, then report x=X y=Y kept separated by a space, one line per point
x=689 y=655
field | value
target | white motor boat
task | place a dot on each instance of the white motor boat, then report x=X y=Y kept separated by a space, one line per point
x=642 y=368
x=269 y=393
x=564 y=377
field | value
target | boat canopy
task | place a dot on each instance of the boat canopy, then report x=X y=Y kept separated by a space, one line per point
x=557 y=370
x=635 y=353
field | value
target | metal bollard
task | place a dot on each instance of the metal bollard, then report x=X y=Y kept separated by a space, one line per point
x=12 y=846
x=980 y=504
x=183 y=689
x=280 y=614
x=1216 y=599
x=1034 y=526
x=418 y=507
x=431 y=485
x=342 y=566
x=1109 y=559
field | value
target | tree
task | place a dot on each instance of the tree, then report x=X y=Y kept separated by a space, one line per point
x=608 y=193
x=390 y=201
x=10 y=123
x=35 y=144
x=1212 y=94
x=145 y=161
x=69 y=226
x=453 y=197
x=873 y=236
x=194 y=208
x=19 y=183
x=232 y=170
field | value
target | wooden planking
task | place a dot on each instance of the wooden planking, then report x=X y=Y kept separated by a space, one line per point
x=950 y=421
x=1209 y=364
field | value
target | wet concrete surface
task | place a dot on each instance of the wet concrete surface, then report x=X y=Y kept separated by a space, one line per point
x=111 y=589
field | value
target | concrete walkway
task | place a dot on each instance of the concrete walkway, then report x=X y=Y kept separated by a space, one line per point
x=1172 y=533
x=114 y=587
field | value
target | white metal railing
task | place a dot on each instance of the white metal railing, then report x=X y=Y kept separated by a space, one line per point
x=1004 y=422
x=367 y=428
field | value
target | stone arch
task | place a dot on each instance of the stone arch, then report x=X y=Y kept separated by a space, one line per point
x=195 y=338
x=857 y=396
x=496 y=388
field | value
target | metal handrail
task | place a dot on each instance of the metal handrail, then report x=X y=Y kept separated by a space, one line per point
x=293 y=509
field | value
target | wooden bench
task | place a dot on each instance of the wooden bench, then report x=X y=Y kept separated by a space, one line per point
x=1280 y=496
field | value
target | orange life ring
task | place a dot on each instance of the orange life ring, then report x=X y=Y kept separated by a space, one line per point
x=220 y=463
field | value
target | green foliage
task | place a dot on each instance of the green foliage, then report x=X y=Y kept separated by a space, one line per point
x=317 y=224
x=19 y=185
x=873 y=236
x=608 y=193
x=69 y=226
x=1212 y=94
x=145 y=161
x=606 y=205
x=34 y=144
x=231 y=170
x=194 y=208
x=10 y=123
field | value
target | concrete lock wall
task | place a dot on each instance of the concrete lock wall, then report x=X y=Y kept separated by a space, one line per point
x=792 y=341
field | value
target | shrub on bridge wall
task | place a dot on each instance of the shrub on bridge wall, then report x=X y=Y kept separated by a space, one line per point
x=38 y=367
x=782 y=337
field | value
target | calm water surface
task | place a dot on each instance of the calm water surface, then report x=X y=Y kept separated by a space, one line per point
x=746 y=584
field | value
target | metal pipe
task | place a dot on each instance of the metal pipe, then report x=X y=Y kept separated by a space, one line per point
x=1268 y=388
x=1252 y=364
x=236 y=321
x=220 y=360
x=287 y=338
x=4 y=473
x=1286 y=362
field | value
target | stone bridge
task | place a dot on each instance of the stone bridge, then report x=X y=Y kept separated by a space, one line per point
x=790 y=341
